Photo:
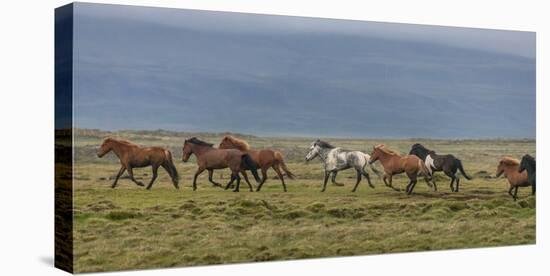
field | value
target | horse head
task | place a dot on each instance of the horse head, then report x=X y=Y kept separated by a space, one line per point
x=420 y=151
x=187 y=150
x=313 y=150
x=225 y=143
x=526 y=161
x=376 y=153
x=105 y=147
x=504 y=165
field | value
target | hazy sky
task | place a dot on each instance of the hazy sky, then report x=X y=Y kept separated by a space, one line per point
x=149 y=68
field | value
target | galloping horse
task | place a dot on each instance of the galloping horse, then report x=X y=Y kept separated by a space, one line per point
x=337 y=159
x=265 y=158
x=133 y=156
x=436 y=163
x=394 y=163
x=528 y=163
x=510 y=167
x=210 y=158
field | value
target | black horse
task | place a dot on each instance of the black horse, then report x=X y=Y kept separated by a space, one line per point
x=528 y=163
x=436 y=163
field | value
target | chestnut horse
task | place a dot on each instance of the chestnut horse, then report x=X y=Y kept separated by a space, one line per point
x=265 y=158
x=394 y=163
x=210 y=158
x=133 y=156
x=509 y=166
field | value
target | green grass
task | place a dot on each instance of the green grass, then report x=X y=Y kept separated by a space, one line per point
x=132 y=228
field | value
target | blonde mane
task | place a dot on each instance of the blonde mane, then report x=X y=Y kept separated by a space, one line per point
x=238 y=143
x=386 y=150
x=509 y=161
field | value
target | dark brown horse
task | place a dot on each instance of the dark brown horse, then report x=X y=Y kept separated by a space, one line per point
x=265 y=158
x=210 y=158
x=395 y=163
x=133 y=156
x=446 y=163
x=529 y=164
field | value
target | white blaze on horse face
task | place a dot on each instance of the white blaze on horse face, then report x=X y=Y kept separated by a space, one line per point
x=429 y=163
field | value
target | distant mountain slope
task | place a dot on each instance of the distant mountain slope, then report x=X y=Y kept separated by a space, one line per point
x=132 y=74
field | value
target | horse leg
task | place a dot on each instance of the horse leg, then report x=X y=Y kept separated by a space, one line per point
x=199 y=171
x=333 y=179
x=230 y=181
x=451 y=184
x=245 y=176
x=131 y=174
x=327 y=174
x=120 y=172
x=358 y=180
x=413 y=183
x=264 y=178
x=210 y=174
x=384 y=179
x=366 y=174
x=510 y=191
x=429 y=185
x=278 y=171
x=457 y=184
x=516 y=193
x=155 y=173
x=236 y=190
x=390 y=180
x=408 y=187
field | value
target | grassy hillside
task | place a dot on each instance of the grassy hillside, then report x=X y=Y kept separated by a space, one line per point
x=129 y=227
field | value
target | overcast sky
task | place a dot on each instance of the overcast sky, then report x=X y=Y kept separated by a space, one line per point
x=505 y=41
x=150 y=68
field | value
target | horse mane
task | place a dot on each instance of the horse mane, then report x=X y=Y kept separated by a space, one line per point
x=421 y=147
x=509 y=161
x=196 y=141
x=324 y=144
x=121 y=141
x=529 y=158
x=384 y=149
x=238 y=143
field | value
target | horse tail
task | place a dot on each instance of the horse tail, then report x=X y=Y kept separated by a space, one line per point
x=171 y=168
x=461 y=169
x=279 y=157
x=248 y=163
x=367 y=158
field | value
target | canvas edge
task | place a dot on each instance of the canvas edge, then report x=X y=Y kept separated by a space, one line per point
x=63 y=235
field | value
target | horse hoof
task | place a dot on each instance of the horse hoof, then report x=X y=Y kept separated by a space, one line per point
x=235 y=191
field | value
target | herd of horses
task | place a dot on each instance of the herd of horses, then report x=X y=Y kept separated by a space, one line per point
x=236 y=154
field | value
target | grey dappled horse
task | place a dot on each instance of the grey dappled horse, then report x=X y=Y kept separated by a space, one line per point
x=337 y=159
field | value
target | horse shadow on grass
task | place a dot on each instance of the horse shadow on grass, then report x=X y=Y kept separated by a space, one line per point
x=480 y=195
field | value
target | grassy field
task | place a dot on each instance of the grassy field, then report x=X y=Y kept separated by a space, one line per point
x=132 y=228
